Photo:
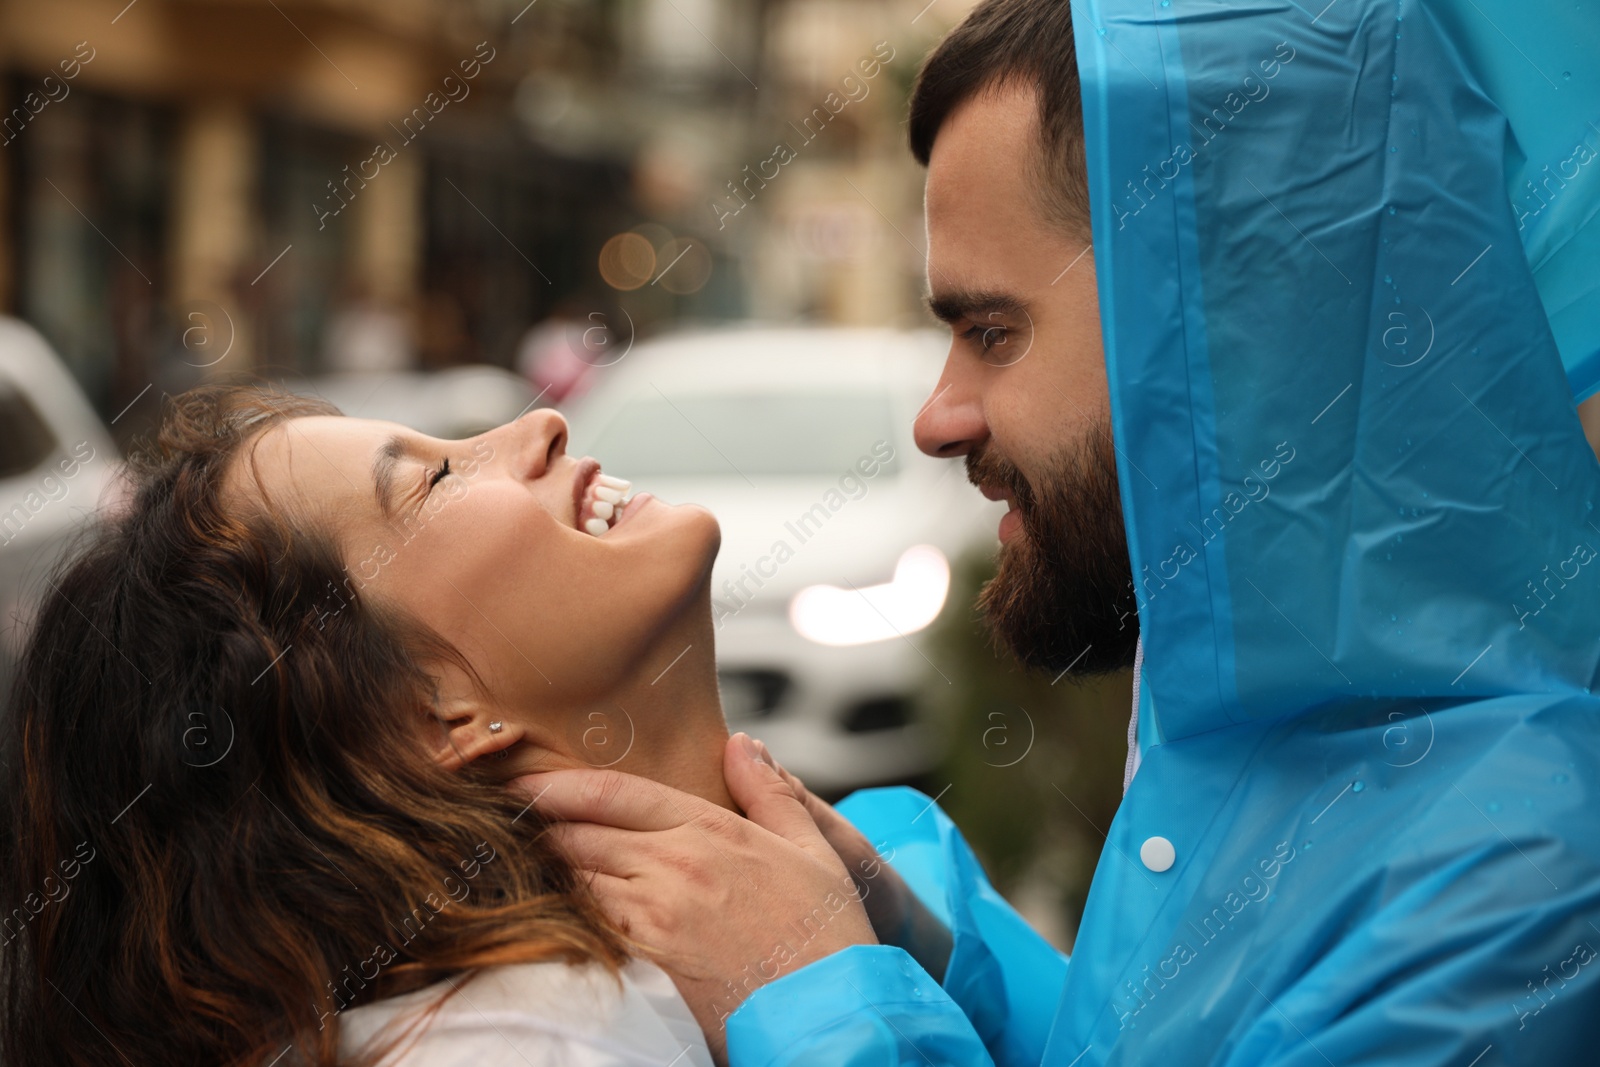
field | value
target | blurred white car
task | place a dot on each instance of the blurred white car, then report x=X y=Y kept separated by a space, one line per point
x=451 y=404
x=837 y=534
x=56 y=462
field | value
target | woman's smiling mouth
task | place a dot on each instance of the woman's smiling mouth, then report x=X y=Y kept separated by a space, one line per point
x=598 y=498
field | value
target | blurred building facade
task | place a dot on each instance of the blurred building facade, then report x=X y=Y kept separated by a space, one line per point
x=299 y=186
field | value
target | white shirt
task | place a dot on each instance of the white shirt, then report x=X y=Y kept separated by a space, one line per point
x=1134 y=756
x=539 y=1014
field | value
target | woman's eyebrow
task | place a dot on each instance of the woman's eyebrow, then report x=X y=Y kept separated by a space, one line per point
x=384 y=463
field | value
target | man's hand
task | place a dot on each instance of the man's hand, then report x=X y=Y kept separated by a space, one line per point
x=898 y=917
x=728 y=904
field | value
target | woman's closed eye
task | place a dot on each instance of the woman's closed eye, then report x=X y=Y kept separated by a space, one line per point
x=440 y=474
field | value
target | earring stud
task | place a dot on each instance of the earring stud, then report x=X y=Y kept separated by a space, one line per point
x=496 y=727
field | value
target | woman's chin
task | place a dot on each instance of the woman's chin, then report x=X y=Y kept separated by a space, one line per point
x=702 y=541
x=710 y=530
x=667 y=550
x=687 y=527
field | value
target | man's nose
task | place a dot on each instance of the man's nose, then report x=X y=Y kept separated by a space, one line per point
x=951 y=422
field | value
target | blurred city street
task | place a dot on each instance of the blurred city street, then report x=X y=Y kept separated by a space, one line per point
x=692 y=225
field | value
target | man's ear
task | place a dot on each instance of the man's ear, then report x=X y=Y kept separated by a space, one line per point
x=468 y=728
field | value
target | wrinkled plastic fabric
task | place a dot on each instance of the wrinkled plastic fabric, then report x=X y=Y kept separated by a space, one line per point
x=1002 y=982
x=1003 y=975
x=1349 y=277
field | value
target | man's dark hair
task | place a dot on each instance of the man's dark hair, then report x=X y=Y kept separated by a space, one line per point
x=1022 y=43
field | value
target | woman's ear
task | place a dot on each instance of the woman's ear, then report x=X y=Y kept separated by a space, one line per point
x=469 y=729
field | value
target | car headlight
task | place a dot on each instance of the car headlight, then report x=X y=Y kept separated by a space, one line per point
x=904 y=604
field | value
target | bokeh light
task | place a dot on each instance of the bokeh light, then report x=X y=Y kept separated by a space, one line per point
x=627 y=261
x=685 y=266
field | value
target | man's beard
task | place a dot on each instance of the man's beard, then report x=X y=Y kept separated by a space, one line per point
x=1062 y=597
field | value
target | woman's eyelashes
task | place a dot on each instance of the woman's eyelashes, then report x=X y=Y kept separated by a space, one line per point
x=440 y=474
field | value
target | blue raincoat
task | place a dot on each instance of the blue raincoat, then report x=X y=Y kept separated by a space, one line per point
x=1349 y=279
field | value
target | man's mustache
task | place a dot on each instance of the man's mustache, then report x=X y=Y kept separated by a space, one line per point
x=985 y=466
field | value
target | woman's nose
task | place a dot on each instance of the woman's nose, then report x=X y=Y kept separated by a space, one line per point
x=541 y=439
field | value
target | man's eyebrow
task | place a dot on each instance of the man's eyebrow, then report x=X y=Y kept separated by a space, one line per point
x=384 y=463
x=953 y=305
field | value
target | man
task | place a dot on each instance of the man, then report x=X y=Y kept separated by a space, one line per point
x=1322 y=483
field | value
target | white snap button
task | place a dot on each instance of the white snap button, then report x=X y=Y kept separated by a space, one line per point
x=1157 y=854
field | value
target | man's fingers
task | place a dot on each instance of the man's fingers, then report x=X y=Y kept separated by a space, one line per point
x=795 y=785
x=617 y=897
x=610 y=798
x=610 y=890
x=820 y=809
x=606 y=849
x=767 y=799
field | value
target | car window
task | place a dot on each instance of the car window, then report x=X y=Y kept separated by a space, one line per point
x=25 y=438
x=733 y=434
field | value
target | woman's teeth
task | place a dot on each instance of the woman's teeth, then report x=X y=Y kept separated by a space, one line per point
x=604 y=503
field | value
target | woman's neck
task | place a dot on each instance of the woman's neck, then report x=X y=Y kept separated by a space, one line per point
x=676 y=712
x=663 y=721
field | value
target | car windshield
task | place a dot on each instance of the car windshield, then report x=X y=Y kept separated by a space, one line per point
x=744 y=434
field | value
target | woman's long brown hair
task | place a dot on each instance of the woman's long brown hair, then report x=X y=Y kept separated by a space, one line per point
x=219 y=829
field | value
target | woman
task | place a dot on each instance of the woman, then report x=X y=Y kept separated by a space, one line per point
x=256 y=768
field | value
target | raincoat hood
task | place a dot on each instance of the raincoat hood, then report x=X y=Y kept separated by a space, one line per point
x=1347 y=267
x=1348 y=278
